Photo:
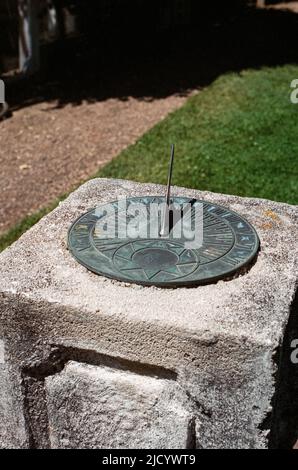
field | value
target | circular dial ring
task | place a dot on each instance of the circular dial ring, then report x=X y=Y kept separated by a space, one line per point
x=229 y=243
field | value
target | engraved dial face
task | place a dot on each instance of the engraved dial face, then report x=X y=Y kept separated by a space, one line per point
x=105 y=241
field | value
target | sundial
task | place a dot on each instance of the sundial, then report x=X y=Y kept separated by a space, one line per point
x=165 y=241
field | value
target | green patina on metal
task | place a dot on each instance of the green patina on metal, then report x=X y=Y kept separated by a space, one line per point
x=229 y=243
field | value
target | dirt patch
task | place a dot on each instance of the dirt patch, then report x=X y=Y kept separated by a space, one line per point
x=288 y=6
x=46 y=150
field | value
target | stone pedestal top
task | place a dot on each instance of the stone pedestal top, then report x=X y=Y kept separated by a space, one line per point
x=253 y=306
x=206 y=353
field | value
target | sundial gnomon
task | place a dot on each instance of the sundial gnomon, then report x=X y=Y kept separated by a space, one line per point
x=133 y=241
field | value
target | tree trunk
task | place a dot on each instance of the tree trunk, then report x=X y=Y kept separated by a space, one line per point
x=28 y=36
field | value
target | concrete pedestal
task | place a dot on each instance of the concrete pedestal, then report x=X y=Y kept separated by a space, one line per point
x=90 y=362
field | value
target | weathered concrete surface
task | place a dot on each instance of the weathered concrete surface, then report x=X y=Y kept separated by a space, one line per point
x=216 y=344
x=124 y=409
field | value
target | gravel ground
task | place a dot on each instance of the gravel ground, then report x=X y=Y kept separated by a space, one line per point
x=292 y=6
x=46 y=150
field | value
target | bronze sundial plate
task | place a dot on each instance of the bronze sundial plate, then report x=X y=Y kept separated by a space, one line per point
x=229 y=243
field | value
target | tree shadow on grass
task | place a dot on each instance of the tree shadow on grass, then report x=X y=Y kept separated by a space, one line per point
x=153 y=64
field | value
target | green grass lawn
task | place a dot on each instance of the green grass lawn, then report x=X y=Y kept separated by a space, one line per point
x=237 y=136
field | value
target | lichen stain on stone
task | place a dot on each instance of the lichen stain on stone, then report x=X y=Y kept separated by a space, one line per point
x=272 y=215
x=267 y=226
x=275 y=219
